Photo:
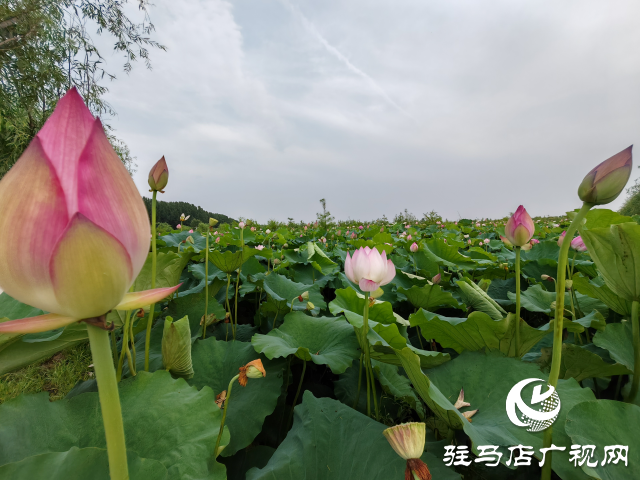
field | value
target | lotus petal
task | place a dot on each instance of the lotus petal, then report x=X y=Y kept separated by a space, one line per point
x=41 y=323
x=135 y=300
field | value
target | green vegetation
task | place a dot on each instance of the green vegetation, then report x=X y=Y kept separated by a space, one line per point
x=56 y=375
x=169 y=213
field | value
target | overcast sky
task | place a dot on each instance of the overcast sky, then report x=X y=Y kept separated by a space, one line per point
x=262 y=107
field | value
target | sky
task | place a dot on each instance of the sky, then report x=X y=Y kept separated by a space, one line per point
x=262 y=107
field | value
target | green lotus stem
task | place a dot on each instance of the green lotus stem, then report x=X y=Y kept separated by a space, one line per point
x=109 y=402
x=123 y=350
x=147 y=342
x=366 y=373
x=558 y=324
x=355 y=403
x=295 y=400
x=367 y=352
x=132 y=355
x=518 y=302
x=206 y=285
x=224 y=415
x=238 y=282
x=286 y=388
x=114 y=348
x=635 y=333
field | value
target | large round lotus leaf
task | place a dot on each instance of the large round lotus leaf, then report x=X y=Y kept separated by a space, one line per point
x=603 y=423
x=429 y=297
x=159 y=423
x=227 y=261
x=332 y=441
x=80 y=463
x=281 y=289
x=323 y=340
x=487 y=380
x=616 y=338
x=215 y=363
x=348 y=302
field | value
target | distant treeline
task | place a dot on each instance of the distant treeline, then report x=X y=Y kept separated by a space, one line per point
x=169 y=212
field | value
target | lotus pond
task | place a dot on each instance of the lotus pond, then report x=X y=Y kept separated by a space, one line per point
x=347 y=350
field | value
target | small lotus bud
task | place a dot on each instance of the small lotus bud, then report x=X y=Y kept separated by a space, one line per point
x=212 y=222
x=310 y=306
x=469 y=242
x=159 y=176
x=436 y=279
x=407 y=440
x=546 y=277
x=178 y=227
x=286 y=245
x=353 y=235
x=359 y=228
x=276 y=261
x=409 y=237
x=241 y=224
x=381 y=230
x=217 y=239
x=253 y=369
x=605 y=182
x=486 y=241
x=561 y=238
x=413 y=247
x=189 y=239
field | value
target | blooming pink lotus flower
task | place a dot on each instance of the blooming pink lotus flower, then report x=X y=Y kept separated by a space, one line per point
x=436 y=279
x=486 y=241
x=413 y=247
x=605 y=182
x=259 y=247
x=519 y=228
x=561 y=238
x=159 y=176
x=534 y=241
x=578 y=245
x=369 y=269
x=87 y=229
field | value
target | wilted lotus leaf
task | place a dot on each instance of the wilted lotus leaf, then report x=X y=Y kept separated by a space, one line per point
x=176 y=347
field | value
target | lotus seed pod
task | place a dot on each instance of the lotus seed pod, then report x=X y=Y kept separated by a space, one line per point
x=253 y=369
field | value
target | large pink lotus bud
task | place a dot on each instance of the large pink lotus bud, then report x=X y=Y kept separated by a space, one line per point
x=85 y=230
x=604 y=183
x=369 y=269
x=413 y=247
x=159 y=176
x=578 y=245
x=437 y=279
x=519 y=228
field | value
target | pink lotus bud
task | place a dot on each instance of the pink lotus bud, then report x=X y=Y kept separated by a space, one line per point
x=469 y=242
x=578 y=245
x=407 y=226
x=534 y=241
x=353 y=235
x=381 y=229
x=315 y=224
x=305 y=227
x=159 y=176
x=519 y=228
x=323 y=240
x=360 y=227
x=409 y=237
x=413 y=247
x=369 y=269
x=85 y=227
x=178 y=227
x=253 y=229
x=561 y=238
x=438 y=222
x=259 y=247
x=486 y=241
x=217 y=239
x=605 y=182
x=241 y=224
x=191 y=231
x=339 y=232
x=436 y=279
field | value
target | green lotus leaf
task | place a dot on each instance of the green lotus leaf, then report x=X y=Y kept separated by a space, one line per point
x=487 y=379
x=322 y=340
x=429 y=297
x=536 y=299
x=159 y=423
x=332 y=441
x=579 y=362
x=616 y=339
x=320 y=261
x=89 y=463
x=177 y=239
x=216 y=363
x=545 y=250
x=478 y=299
x=477 y=331
x=603 y=217
x=227 y=261
x=286 y=291
x=176 y=347
x=348 y=301
x=435 y=250
x=614 y=250
x=596 y=288
x=603 y=423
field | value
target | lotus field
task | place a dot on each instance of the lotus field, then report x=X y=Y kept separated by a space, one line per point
x=351 y=350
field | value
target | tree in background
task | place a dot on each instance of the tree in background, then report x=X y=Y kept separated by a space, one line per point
x=169 y=212
x=45 y=49
x=632 y=203
x=324 y=217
